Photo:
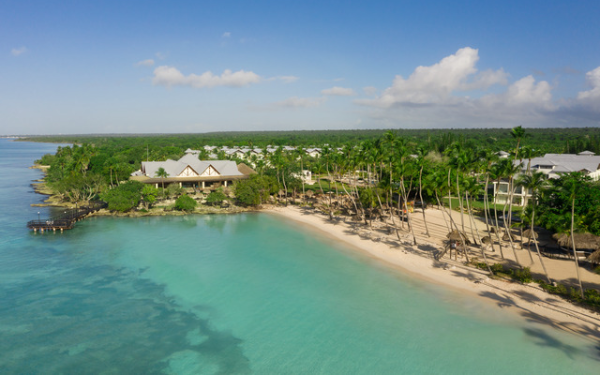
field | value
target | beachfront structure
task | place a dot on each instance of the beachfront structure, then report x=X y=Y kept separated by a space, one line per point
x=189 y=171
x=553 y=165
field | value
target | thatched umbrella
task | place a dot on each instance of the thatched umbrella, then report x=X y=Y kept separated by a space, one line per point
x=457 y=236
x=506 y=237
x=583 y=241
x=594 y=257
x=530 y=233
x=486 y=240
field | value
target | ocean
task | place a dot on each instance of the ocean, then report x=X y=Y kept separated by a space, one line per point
x=236 y=294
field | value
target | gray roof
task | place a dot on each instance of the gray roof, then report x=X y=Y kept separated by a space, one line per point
x=565 y=163
x=175 y=167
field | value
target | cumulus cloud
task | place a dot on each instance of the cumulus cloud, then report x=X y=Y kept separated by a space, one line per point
x=593 y=78
x=148 y=62
x=338 y=91
x=18 y=51
x=453 y=92
x=170 y=76
x=525 y=92
x=296 y=102
x=435 y=84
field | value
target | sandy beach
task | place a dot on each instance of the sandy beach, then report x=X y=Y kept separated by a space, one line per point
x=529 y=301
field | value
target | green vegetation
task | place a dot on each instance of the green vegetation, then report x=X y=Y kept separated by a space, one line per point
x=554 y=204
x=163 y=146
x=124 y=197
x=185 y=203
x=216 y=197
x=256 y=190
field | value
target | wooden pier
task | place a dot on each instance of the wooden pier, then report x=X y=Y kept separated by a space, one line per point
x=66 y=220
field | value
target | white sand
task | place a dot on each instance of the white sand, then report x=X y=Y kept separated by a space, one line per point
x=529 y=301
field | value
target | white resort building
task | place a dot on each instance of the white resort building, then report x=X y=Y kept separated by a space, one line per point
x=189 y=171
x=553 y=165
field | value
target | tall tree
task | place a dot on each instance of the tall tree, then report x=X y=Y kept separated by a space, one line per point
x=162 y=173
x=572 y=186
x=534 y=182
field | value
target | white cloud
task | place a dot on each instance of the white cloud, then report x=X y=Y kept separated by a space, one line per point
x=18 y=51
x=453 y=93
x=285 y=79
x=524 y=92
x=147 y=62
x=170 y=76
x=226 y=34
x=593 y=78
x=436 y=83
x=160 y=55
x=338 y=91
x=296 y=102
x=370 y=90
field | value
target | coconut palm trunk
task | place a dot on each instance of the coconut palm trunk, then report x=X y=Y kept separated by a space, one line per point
x=537 y=248
x=423 y=203
x=574 y=249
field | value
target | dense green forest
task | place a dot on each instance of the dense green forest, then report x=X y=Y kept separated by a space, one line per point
x=548 y=140
x=96 y=164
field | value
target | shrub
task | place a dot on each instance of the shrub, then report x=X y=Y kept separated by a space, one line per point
x=47 y=159
x=497 y=267
x=185 y=203
x=216 y=197
x=149 y=194
x=523 y=275
x=124 y=197
x=173 y=190
x=255 y=190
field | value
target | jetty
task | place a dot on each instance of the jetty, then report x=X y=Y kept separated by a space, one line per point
x=67 y=220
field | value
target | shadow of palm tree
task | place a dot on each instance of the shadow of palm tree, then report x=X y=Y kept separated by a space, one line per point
x=543 y=338
x=501 y=301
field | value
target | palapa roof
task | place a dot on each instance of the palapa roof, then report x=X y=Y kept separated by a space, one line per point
x=583 y=241
x=529 y=233
x=456 y=236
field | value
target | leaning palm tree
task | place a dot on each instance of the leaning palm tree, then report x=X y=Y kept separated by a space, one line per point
x=572 y=187
x=162 y=174
x=534 y=182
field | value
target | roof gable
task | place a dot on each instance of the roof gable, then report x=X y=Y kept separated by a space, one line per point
x=188 y=172
x=210 y=171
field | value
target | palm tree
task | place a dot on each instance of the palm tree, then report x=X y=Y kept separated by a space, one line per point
x=518 y=133
x=299 y=152
x=534 y=182
x=162 y=174
x=511 y=169
x=421 y=163
x=487 y=159
x=572 y=186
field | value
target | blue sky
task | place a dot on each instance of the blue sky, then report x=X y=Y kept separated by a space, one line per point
x=199 y=66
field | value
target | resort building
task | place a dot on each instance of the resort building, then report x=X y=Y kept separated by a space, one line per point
x=191 y=172
x=553 y=165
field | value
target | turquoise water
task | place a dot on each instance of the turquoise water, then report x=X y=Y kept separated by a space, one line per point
x=233 y=294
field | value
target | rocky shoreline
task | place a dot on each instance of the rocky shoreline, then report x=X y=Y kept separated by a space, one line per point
x=162 y=209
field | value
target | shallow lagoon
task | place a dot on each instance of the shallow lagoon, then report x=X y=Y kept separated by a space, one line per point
x=245 y=293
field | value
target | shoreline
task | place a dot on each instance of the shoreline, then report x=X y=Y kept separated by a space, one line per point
x=529 y=301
